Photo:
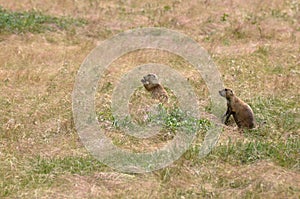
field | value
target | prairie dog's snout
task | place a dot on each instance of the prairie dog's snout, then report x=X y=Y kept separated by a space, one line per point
x=144 y=81
x=222 y=93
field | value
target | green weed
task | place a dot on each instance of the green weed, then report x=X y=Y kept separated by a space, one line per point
x=34 y=21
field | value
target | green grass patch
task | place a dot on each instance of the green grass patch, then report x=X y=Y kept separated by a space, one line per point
x=283 y=153
x=34 y=21
x=42 y=172
x=171 y=119
x=78 y=165
x=276 y=113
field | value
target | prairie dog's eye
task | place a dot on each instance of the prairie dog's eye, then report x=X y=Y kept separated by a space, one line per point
x=226 y=89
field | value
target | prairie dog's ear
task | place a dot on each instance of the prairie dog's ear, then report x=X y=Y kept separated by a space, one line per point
x=152 y=78
x=153 y=75
x=229 y=91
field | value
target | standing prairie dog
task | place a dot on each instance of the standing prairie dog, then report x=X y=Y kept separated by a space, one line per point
x=152 y=85
x=242 y=112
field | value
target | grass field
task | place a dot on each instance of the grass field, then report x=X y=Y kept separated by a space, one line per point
x=255 y=45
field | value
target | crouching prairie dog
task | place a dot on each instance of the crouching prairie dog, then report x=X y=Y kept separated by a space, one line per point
x=241 y=112
x=152 y=85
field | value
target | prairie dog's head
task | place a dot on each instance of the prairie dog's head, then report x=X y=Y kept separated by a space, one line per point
x=150 y=81
x=227 y=93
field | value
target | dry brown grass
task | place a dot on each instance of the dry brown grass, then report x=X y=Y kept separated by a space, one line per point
x=255 y=46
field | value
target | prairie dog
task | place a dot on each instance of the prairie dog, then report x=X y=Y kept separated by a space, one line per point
x=241 y=112
x=152 y=85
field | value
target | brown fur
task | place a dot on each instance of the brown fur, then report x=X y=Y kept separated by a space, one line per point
x=152 y=85
x=241 y=112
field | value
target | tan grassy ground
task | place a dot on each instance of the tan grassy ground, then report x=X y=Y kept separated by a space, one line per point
x=256 y=47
